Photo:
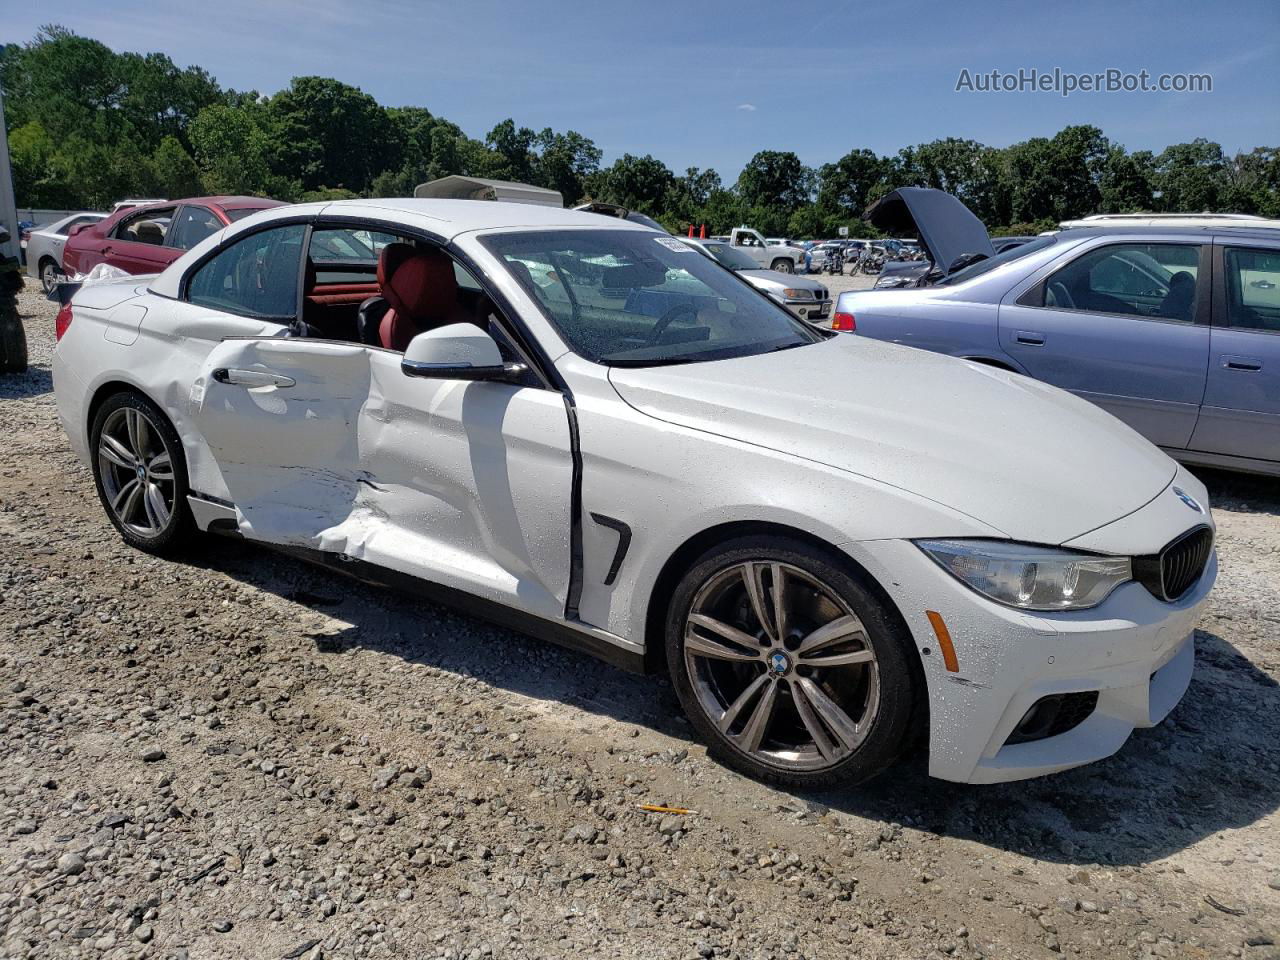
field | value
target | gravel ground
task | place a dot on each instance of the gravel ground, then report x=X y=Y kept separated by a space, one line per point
x=238 y=755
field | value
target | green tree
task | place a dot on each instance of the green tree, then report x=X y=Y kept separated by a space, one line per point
x=565 y=162
x=231 y=150
x=1192 y=177
x=775 y=179
x=846 y=185
x=638 y=183
x=324 y=132
x=1126 y=184
x=173 y=171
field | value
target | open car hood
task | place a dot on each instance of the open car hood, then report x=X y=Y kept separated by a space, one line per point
x=948 y=228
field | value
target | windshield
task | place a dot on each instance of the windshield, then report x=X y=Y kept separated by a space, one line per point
x=731 y=258
x=1005 y=256
x=630 y=298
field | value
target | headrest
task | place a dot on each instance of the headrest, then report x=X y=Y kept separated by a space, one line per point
x=419 y=284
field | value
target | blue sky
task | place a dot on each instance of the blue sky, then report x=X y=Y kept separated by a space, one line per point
x=709 y=82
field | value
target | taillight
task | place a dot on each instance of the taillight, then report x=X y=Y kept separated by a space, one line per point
x=62 y=321
x=843 y=321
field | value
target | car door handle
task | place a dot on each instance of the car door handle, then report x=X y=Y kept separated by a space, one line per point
x=1241 y=363
x=251 y=378
x=1030 y=337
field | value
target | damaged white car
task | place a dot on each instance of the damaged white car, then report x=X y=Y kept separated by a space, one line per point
x=590 y=431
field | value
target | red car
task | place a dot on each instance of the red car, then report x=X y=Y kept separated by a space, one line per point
x=147 y=239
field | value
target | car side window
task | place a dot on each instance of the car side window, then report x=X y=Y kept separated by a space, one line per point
x=1253 y=289
x=66 y=228
x=255 y=275
x=1153 y=281
x=150 y=226
x=193 y=225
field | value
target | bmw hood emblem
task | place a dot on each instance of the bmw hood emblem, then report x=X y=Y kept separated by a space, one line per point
x=1189 y=500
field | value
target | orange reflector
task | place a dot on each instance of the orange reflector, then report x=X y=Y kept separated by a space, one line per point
x=944 y=641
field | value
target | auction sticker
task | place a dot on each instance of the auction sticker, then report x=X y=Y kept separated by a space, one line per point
x=674 y=245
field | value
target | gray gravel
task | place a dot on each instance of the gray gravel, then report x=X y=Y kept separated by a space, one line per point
x=237 y=755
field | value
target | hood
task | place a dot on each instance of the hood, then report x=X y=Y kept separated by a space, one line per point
x=781 y=280
x=1030 y=460
x=948 y=228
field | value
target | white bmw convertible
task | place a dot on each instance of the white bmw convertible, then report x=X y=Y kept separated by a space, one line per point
x=589 y=431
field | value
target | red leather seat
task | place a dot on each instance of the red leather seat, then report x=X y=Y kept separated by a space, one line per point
x=422 y=290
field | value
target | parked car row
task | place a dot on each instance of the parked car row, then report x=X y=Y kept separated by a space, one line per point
x=589 y=429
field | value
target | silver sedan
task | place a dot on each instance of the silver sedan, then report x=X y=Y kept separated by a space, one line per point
x=44 y=247
x=806 y=298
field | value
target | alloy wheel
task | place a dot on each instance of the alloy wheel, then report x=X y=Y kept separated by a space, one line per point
x=137 y=472
x=781 y=665
x=48 y=277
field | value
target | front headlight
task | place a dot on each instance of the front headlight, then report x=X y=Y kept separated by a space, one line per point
x=794 y=293
x=1030 y=577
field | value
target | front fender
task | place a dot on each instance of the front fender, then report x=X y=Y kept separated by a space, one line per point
x=668 y=483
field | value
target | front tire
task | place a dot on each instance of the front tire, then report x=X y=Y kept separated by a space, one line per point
x=140 y=473
x=783 y=265
x=788 y=666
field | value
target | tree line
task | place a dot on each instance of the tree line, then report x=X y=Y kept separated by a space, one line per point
x=88 y=126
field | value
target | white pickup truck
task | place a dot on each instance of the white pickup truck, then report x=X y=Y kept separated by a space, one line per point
x=778 y=257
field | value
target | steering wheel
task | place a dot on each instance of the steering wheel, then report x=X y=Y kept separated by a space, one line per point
x=1061 y=298
x=668 y=318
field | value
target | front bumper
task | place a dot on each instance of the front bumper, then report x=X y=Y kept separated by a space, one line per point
x=1135 y=651
x=810 y=310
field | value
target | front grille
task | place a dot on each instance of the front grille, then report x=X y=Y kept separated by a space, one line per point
x=1053 y=715
x=1177 y=568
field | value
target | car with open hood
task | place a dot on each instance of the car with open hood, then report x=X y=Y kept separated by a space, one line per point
x=1173 y=329
x=951 y=236
x=588 y=430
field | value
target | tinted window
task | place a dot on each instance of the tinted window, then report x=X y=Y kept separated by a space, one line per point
x=256 y=275
x=67 y=227
x=150 y=226
x=1148 y=280
x=241 y=212
x=633 y=298
x=192 y=226
x=1253 y=289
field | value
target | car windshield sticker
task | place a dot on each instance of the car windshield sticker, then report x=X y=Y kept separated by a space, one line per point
x=674 y=245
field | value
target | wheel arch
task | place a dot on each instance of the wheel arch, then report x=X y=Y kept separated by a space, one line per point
x=106 y=390
x=684 y=556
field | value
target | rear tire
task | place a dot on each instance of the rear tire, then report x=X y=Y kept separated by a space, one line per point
x=141 y=474
x=49 y=274
x=823 y=696
x=783 y=265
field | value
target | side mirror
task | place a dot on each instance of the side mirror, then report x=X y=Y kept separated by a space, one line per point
x=459 y=351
